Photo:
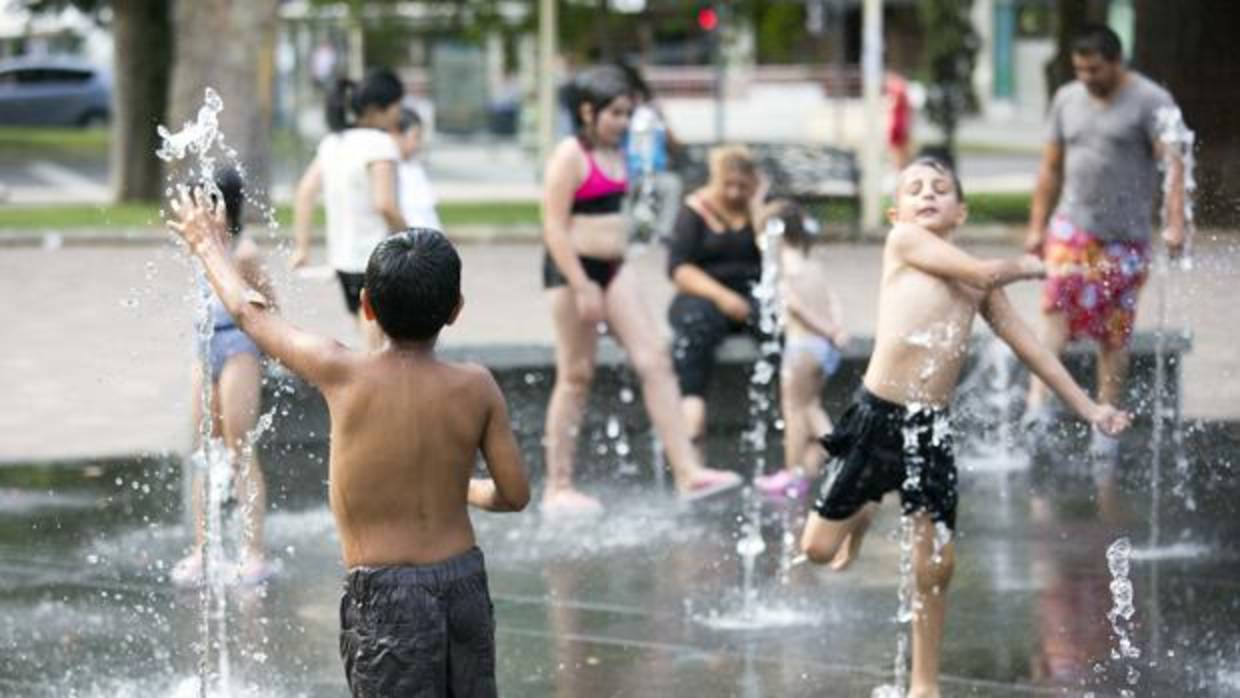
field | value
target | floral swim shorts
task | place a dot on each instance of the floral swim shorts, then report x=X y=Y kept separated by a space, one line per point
x=1094 y=282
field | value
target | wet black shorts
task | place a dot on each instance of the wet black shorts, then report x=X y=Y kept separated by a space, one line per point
x=880 y=446
x=419 y=630
x=351 y=284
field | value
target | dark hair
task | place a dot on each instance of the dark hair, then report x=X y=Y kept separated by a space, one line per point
x=230 y=184
x=799 y=230
x=938 y=166
x=1098 y=39
x=597 y=87
x=379 y=88
x=637 y=82
x=408 y=119
x=413 y=280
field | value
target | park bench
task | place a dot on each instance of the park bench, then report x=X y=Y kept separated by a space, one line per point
x=816 y=176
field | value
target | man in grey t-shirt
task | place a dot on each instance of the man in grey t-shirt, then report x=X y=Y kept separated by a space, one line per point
x=1100 y=173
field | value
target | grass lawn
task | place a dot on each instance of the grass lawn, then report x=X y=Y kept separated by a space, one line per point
x=1010 y=209
x=28 y=141
x=86 y=216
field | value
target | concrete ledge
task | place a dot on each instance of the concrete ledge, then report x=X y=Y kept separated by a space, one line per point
x=526 y=374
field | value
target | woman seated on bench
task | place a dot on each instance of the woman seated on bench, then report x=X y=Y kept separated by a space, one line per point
x=714 y=261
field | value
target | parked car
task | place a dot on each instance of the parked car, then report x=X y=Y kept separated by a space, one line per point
x=53 y=91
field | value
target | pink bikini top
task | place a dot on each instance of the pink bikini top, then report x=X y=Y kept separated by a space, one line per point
x=598 y=194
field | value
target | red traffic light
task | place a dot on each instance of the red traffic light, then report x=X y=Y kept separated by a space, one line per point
x=707 y=19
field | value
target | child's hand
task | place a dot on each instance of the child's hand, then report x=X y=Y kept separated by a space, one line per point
x=589 y=300
x=1032 y=267
x=299 y=258
x=1109 y=420
x=840 y=339
x=197 y=220
x=734 y=306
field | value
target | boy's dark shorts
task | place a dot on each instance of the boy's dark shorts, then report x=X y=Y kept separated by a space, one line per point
x=880 y=446
x=424 y=630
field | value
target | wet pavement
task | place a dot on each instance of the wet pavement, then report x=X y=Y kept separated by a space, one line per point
x=645 y=601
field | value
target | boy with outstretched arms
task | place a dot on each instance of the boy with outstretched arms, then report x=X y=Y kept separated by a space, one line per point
x=897 y=433
x=405 y=430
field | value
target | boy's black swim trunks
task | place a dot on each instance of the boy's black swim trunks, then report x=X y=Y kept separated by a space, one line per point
x=419 y=630
x=879 y=446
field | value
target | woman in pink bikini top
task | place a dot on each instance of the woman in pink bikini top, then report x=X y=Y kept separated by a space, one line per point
x=586 y=234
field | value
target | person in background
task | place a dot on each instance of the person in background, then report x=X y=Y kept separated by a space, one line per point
x=814 y=334
x=588 y=283
x=417 y=198
x=355 y=169
x=233 y=365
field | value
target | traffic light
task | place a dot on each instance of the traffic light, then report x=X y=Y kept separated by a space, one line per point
x=707 y=18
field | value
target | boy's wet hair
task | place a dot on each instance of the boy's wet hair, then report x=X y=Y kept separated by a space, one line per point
x=938 y=166
x=598 y=87
x=230 y=184
x=1100 y=40
x=408 y=119
x=413 y=281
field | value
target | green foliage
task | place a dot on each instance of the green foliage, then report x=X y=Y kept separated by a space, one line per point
x=951 y=54
x=778 y=27
x=31 y=141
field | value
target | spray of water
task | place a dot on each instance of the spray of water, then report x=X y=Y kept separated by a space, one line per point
x=201 y=145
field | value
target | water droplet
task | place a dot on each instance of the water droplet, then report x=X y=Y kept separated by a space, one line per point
x=92 y=559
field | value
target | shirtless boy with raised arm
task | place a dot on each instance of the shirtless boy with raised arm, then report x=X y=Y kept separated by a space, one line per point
x=897 y=433
x=406 y=428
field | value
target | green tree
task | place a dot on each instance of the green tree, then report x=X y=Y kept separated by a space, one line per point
x=951 y=53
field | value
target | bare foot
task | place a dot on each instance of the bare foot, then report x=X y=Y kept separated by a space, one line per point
x=569 y=502
x=851 y=547
x=923 y=691
x=707 y=482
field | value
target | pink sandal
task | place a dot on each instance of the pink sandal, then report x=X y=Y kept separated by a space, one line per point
x=710 y=483
x=784 y=483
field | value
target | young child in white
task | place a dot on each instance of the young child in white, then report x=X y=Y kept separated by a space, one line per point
x=417 y=198
x=813 y=335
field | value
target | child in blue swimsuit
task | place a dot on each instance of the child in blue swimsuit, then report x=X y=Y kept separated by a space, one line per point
x=813 y=335
x=233 y=364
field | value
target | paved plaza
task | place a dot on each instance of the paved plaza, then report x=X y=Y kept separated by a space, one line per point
x=98 y=338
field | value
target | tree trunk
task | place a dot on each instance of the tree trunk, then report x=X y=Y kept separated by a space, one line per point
x=229 y=45
x=142 y=36
x=1186 y=47
x=1070 y=17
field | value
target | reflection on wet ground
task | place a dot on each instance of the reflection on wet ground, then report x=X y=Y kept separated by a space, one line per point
x=637 y=603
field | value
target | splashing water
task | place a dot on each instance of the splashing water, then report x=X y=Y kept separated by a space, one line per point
x=200 y=142
x=1122 y=610
x=1178 y=142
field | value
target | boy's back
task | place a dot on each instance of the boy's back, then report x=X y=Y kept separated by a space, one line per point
x=416 y=617
x=406 y=430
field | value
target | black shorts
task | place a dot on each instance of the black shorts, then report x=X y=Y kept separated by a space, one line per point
x=419 y=630
x=351 y=284
x=600 y=271
x=880 y=446
x=698 y=328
